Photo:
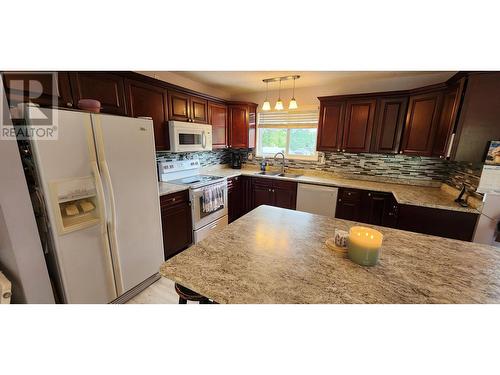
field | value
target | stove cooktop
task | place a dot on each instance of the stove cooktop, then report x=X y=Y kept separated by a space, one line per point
x=198 y=180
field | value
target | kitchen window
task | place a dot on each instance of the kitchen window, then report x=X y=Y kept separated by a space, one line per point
x=293 y=133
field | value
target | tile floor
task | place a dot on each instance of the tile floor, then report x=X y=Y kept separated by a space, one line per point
x=162 y=291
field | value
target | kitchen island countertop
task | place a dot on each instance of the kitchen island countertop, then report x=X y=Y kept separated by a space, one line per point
x=274 y=255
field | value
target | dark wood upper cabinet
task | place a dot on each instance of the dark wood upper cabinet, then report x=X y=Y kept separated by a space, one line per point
x=199 y=110
x=447 y=119
x=389 y=123
x=178 y=106
x=185 y=107
x=242 y=124
x=358 y=125
x=146 y=100
x=45 y=89
x=421 y=124
x=108 y=88
x=217 y=117
x=330 y=126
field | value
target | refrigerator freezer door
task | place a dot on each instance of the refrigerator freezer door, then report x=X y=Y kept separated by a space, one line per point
x=82 y=257
x=127 y=160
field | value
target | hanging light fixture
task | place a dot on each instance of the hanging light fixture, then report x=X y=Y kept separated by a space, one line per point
x=266 y=106
x=293 y=102
x=279 y=103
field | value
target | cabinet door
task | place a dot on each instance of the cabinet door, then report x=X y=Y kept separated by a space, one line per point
x=447 y=119
x=437 y=222
x=146 y=100
x=235 y=198
x=252 y=125
x=178 y=106
x=421 y=123
x=217 y=117
x=285 y=194
x=108 y=88
x=330 y=126
x=262 y=192
x=389 y=123
x=44 y=89
x=238 y=121
x=349 y=204
x=199 y=110
x=358 y=125
x=176 y=223
x=379 y=209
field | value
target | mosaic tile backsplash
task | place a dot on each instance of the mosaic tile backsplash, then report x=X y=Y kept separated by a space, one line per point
x=206 y=158
x=365 y=166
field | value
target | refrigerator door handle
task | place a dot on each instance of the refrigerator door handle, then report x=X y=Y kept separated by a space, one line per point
x=103 y=214
x=114 y=239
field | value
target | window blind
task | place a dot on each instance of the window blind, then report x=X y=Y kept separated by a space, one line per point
x=284 y=119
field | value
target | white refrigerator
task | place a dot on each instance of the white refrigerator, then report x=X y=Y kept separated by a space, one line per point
x=100 y=189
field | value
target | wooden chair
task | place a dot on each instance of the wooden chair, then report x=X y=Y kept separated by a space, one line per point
x=186 y=294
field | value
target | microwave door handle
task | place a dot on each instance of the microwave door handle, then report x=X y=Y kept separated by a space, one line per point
x=203 y=139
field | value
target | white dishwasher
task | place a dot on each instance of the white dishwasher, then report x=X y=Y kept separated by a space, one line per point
x=317 y=199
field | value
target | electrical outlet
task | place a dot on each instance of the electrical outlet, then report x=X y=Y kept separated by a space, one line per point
x=362 y=163
x=321 y=158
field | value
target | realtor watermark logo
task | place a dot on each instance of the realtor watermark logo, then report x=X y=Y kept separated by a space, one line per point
x=23 y=119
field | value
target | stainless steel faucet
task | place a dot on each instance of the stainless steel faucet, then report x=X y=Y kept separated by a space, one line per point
x=283 y=164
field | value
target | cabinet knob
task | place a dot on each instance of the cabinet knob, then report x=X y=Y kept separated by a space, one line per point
x=343 y=150
x=440 y=156
x=69 y=104
x=340 y=200
x=173 y=199
x=338 y=150
x=369 y=194
x=401 y=151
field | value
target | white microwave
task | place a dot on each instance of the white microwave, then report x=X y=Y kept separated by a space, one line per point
x=189 y=136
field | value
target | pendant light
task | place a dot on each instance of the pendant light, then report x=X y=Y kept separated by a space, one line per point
x=279 y=103
x=266 y=106
x=293 y=102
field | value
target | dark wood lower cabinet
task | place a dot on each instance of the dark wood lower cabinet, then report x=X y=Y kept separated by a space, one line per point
x=176 y=223
x=437 y=222
x=235 y=198
x=276 y=193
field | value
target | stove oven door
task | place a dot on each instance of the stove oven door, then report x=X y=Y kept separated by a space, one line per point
x=200 y=218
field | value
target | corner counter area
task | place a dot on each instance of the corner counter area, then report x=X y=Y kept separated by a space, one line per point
x=274 y=255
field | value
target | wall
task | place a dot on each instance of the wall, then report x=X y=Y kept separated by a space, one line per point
x=176 y=79
x=349 y=83
x=21 y=255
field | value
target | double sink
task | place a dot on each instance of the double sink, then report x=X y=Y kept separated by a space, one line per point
x=279 y=174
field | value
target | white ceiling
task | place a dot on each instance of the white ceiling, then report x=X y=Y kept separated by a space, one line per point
x=241 y=82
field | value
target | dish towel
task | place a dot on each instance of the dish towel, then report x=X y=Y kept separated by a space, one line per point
x=213 y=197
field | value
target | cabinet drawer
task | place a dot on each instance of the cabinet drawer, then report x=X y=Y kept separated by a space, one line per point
x=267 y=182
x=174 y=199
x=350 y=195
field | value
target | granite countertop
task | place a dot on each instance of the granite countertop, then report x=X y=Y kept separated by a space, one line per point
x=167 y=188
x=426 y=196
x=274 y=255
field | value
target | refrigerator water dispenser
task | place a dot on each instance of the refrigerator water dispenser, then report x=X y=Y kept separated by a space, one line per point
x=75 y=203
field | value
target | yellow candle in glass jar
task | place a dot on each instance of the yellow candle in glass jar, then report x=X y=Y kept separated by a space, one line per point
x=364 y=245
